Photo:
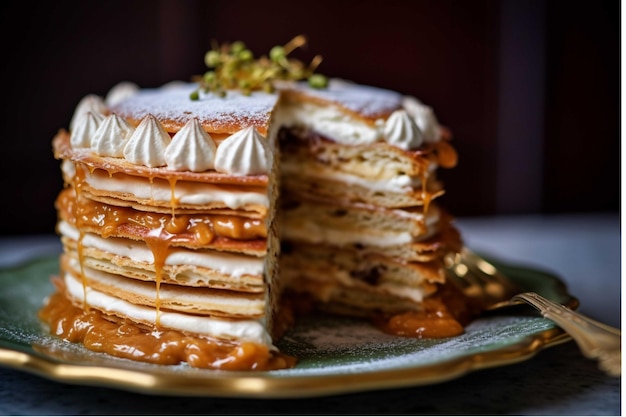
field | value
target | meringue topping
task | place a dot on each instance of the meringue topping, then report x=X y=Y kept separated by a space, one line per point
x=191 y=149
x=401 y=130
x=85 y=127
x=243 y=153
x=120 y=92
x=112 y=136
x=424 y=118
x=147 y=144
x=90 y=103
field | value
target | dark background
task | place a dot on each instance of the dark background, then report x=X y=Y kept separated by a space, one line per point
x=530 y=89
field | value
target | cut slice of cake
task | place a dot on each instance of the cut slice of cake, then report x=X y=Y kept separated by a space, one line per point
x=168 y=223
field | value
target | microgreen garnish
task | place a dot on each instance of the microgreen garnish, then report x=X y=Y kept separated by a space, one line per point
x=234 y=67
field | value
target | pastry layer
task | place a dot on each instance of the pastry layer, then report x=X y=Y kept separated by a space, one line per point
x=377 y=174
x=168 y=297
x=135 y=259
x=345 y=224
x=239 y=330
x=350 y=266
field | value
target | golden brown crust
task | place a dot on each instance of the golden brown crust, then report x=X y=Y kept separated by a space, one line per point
x=63 y=150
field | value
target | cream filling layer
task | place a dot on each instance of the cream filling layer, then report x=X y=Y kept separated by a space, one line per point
x=227 y=300
x=183 y=192
x=243 y=330
x=402 y=291
x=398 y=184
x=331 y=122
x=306 y=230
x=225 y=263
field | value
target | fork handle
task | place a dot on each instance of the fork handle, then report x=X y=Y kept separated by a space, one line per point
x=596 y=340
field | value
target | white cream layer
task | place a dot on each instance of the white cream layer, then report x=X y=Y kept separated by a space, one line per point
x=244 y=330
x=225 y=263
x=229 y=300
x=184 y=192
x=308 y=231
x=398 y=184
x=403 y=291
x=331 y=122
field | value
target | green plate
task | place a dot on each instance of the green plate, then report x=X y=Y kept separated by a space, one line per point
x=335 y=355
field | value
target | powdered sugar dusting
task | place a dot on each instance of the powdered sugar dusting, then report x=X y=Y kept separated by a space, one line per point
x=228 y=114
x=346 y=346
x=237 y=111
x=370 y=102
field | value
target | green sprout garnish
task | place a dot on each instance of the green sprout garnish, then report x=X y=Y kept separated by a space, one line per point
x=234 y=67
x=318 y=81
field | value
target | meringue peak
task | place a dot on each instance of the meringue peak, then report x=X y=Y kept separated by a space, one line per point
x=111 y=137
x=244 y=153
x=84 y=129
x=191 y=149
x=401 y=130
x=424 y=117
x=120 y=92
x=147 y=144
x=90 y=103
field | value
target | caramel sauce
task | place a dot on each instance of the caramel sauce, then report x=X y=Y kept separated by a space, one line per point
x=200 y=228
x=160 y=250
x=173 y=199
x=446 y=154
x=159 y=346
x=444 y=315
x=433 y=322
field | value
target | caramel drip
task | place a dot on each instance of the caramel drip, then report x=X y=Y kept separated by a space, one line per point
x=199 y=228
x=160 y=250
x=173 y=199
x=77 y=182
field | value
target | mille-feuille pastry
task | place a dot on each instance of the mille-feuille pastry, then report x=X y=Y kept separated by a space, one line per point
x=166 y=224
x=194 y=214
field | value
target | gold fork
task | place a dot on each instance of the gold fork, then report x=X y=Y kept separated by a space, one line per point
x=482 y=283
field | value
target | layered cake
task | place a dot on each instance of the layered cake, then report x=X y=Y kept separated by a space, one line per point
x=196 y=221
